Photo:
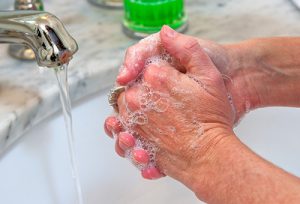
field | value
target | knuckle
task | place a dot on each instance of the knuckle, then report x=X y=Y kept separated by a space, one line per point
x=192 y=44
x=155 y=74
x=192 y=47
x=150 y=74
x=163 y=73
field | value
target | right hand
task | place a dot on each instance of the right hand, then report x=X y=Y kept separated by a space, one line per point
x=134 y=63
x=196 y=112
x=226 y=58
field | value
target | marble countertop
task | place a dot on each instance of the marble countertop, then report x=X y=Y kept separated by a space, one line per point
x=28 y=94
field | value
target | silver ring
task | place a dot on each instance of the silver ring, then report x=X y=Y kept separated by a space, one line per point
x=114 y=95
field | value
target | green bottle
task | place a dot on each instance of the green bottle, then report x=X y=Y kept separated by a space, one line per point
x=144 y=17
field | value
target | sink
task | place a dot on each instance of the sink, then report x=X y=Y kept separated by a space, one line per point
x=274 y=133
x=37 y=170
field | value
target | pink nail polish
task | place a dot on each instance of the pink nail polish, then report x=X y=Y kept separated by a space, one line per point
x=151 y=173
x=140 y=156
x=113 y=125
x=107 y=130
x=126 y=140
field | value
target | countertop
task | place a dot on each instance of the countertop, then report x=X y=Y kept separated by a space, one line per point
x=29 y=94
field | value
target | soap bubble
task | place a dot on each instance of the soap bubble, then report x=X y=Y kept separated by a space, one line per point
x=143 y=144
x=149 y=100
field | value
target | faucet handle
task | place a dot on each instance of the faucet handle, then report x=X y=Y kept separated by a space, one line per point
x=21 y=51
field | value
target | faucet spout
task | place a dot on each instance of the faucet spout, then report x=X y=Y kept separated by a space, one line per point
x=42 y=32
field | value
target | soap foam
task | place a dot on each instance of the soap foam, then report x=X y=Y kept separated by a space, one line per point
x=149 y=100
x=156 y=101
x=163 y=59
x=142 y=144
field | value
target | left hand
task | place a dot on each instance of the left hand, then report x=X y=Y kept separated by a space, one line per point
x=193 y=107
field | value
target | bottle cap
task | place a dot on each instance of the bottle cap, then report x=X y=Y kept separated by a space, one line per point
x=148 y=16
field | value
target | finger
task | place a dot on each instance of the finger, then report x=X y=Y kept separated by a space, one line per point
x=126 y=141
x=136 y=56
x=107 y=130
x=132 y=97
x=161 y=78
x=118 y=149
x=128 y=100
x=124 y=111
x=187 y=50
x=140 y=156
x=151 y=173
x=112 y=126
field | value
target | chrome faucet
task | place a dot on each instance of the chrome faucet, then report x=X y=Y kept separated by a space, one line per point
x=42 y=32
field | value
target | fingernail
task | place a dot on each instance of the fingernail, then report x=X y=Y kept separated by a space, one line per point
x=118 y=149
x=112 y=126
x=117 y=127
x=170 y=33
x=140 y=156
x=108 y=127
x=107 y=130
x=126 y=140
x=151 y=173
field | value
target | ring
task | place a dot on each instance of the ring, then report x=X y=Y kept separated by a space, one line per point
x=114 y=95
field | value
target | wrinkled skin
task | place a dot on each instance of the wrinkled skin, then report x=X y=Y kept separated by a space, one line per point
x=224 y=58
x=192 y=128
x=179 y=151
x=192 y=70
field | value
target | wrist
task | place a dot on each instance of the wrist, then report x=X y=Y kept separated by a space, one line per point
x=265 y=72
x=232 y=61
x=205 y=176
x=231 y=173
x=239 y=76
x=201 y=169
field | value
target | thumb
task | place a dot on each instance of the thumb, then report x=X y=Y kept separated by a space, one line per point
x=187 y=50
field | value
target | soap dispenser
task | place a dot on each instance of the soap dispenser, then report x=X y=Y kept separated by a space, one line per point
x=145 y=17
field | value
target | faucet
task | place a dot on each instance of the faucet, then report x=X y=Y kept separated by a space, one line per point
x=42 y=32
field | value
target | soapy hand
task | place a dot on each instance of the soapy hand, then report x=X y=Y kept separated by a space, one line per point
x=175 y=110
x=176 y=114
x=225 y=57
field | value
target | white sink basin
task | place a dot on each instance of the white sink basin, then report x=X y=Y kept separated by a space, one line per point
x=37 y=169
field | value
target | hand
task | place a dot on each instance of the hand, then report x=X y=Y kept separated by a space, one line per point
x=152 y=48
x=227 y=59
x=160 y=110
x=214 y=164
